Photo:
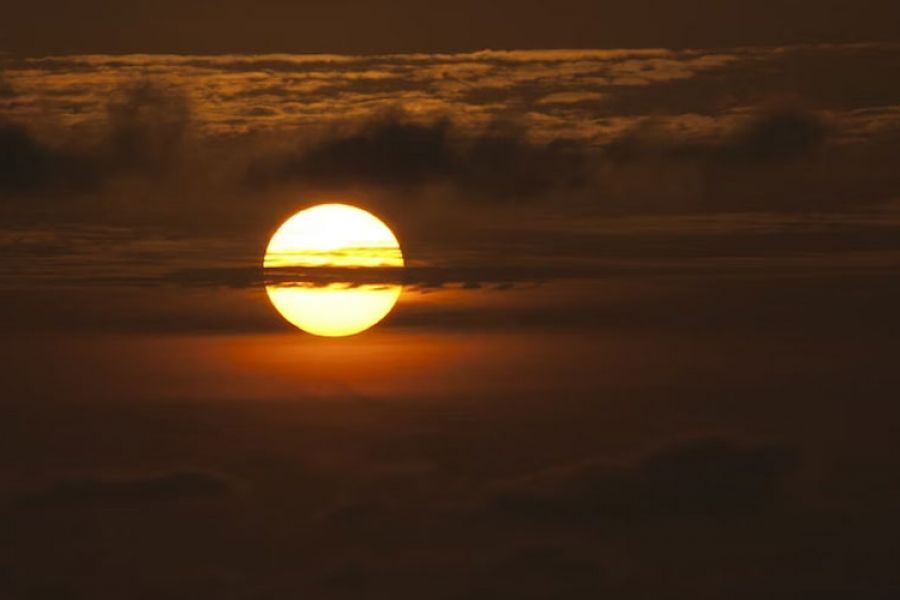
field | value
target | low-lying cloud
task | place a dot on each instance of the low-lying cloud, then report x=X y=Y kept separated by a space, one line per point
x=712 y=477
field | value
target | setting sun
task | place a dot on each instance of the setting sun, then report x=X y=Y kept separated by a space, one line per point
x=333 y=236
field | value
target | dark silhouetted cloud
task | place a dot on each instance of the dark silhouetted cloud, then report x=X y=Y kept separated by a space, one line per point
x=775 y=135
x=785 y=160
x=498 y=161
x=144 y=131
x=27 y=164
x=147 y=124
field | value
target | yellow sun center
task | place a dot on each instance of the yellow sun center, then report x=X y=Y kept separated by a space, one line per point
x=341 y=240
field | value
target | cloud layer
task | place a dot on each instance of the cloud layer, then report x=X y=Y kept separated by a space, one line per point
x=497 y=168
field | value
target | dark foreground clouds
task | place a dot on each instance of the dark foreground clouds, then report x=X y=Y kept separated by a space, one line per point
x=143 y=133
x=27 y=164
x=770 y=159
x=783 y=159
x=498 y=162
x=717 y=479
x=502 y=162
x=769 y=136
x=711 y=477
x=773 y=160
x=599 y=490
x=148 y=124
x=146 y=133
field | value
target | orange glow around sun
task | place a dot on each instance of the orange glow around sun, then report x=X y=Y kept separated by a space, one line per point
x=337 y=236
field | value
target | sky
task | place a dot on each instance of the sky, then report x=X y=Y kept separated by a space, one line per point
x=646 y=341
x=382 y=26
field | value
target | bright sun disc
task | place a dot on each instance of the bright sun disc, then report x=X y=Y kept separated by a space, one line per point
x=333 y=236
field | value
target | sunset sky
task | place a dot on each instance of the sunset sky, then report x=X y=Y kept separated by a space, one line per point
x=647 y=340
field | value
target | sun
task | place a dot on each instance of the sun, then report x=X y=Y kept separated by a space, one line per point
x=343 y=241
